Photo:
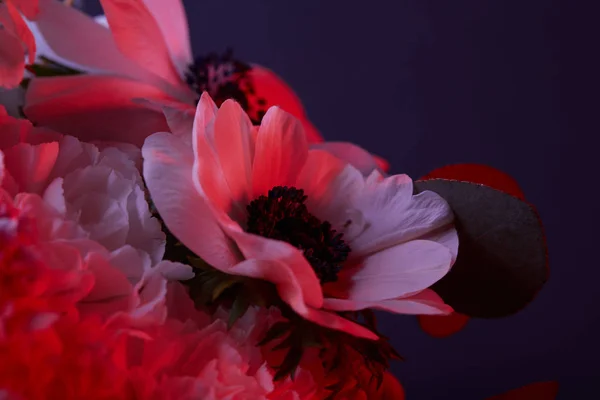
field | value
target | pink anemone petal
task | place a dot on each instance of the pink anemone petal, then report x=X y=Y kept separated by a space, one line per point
x=395 y=272
x=12 y=63
x=179 y=116
x=65 y=104
x=320 y=170
x=425 y=302
x=167 y=166
x=264 y=249
x=352 y=154
x=281 y=151
x=277 y=93
x=394 y=215
x=291 y=292
x=235 y=149
x=172 y=21
x=140 y=38
x=14 y=23
x=207 y=172
x=56 y=24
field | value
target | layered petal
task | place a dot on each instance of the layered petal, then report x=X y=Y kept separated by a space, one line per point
x=65 y=104
x=140 y=38
x=394 y=215
x=395 y=272
x=172 y=21
x=167 y=172
x=273 y=164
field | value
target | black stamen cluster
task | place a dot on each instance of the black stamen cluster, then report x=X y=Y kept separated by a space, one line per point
x=232 y=82
x=282 y=215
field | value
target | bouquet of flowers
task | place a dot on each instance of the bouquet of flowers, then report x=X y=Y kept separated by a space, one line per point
x=174 y=227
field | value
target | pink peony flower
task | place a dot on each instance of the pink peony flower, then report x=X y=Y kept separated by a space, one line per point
x=16 y=40
x=91 y=216
x=257 y=202
x=142 y=65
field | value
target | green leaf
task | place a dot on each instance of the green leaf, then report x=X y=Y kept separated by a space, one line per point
x=222 y=286
x=275 y=332
x=238 y=309
x=289 y=364
x=502 y=257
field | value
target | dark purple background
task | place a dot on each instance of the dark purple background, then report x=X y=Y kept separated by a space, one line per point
x=422 y=83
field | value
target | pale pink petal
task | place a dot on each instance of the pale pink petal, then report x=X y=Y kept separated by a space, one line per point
x=290 y=291
x=207 y=172
x=281 y=151
x=12 y=21
x=65 y=104
x=139 y=37
x=174 y=271
x=350 y=153
x=172 y=21
x=167 y=166
x=331 y=187
x=30 y=166
x=57 y=24
x=426 y=302
x=54 y=195
x=260 y=248
x=235 y=149
x=319 y=171
x=394 y=215
x=12 y=62
x=395 y=272
x=179 y=116
x=447 y=237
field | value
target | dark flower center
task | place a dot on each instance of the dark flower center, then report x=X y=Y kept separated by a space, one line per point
x=224 y=77
x=282 y=215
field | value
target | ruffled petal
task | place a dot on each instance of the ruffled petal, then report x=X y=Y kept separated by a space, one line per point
x=393 y=215
x=395 y=272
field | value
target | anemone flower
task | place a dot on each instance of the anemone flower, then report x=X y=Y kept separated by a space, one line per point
x=143 y=52
x=256 y=202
